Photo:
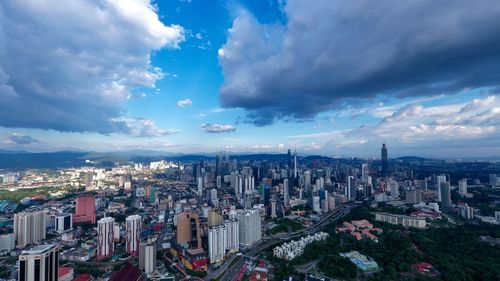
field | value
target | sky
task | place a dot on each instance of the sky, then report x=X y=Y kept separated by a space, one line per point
x=334 y=78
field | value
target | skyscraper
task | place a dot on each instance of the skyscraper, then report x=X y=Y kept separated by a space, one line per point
x=350 y=191
x=63 y=222
x=30 y=227
x=250 y=226
x=385 y=166
x=147 y=257
x=188 y=229
x=295 y=164
x=233 y=235
x=286 y=193
x=445 y=195
x=217 y=243
x=85 y=210
x=40 y=263
x=105 y=238
x=440 y=179
x=133 y=229
x=462 y=187
x=365 y=172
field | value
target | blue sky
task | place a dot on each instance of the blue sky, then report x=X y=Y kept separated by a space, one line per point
x=334 y=78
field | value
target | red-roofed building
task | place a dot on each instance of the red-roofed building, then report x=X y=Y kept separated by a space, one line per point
x=66 y=273
x=84 y=277
x=362 y=224
x=128 y=272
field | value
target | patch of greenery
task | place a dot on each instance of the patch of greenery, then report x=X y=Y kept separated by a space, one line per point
x=19 y=194
x=286 y=225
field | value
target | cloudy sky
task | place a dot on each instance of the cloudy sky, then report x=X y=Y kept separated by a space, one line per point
x=328 y=77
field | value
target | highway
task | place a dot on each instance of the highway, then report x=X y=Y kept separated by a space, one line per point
x=228 y=271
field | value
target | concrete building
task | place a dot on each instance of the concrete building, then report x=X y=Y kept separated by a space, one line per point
x=233 y=235
x=63 y=222
x=214 y=218
x=147 y=257
x=30 y=227
x=40 y=263
x=217 y=243
x=188 y=229
x=445 y=195
x=105 y=238
x=466 y=211
x=250 y=226
x=133 y=226
x=290 y=250
x=439 y=179
x=286 y=193
x=7 y=242
x=462 y=187
x=406 y=221
x=85 y=210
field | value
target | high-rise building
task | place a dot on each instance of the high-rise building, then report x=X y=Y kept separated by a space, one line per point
x=445 y=195
x=147 y=257
x=105 y=238
x=200 y=186
x=188 y=229
x=233 y=235
x=133 y=228
x=63 y=222
x=440 y=179
x=273 y=209
x=40 y=263
x=385 y=161
x=365 y=172
x=30 y=227
x=217 y=243
x=85 y=210
x=307 y=179
x=295 y=164
x=7 y=242
x=214 y=218
x=250 y=226
x=350 y=191
x=493 y=179
x=462 y=187
x=286 y=193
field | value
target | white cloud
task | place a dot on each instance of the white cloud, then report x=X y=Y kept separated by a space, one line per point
x=70 y=65
x=184 y=103
x=217 y=128
x=139 y=127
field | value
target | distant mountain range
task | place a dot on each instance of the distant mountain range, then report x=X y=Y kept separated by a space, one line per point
x=19 y=160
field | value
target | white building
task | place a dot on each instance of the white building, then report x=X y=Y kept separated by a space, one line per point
x=147 y=257
x=406 y=221
x=7 y=242
x=217 y=243
x=293 y=249
x=105 y=238
x=233 y=235
x=30 y=227
x=286 y=193
x=250 y=226
x=133 y=229
x=39 y=263
x=462 y=187
x=63 y=222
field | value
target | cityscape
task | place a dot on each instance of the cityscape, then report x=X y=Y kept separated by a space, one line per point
x=249 y=140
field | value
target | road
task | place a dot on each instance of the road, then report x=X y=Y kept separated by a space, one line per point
x=229 y=271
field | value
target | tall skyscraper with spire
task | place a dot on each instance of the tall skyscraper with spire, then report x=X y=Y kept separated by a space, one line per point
x=384 y=160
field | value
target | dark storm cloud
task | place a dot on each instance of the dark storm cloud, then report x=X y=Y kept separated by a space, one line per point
x=70 y=65
x=335 y=53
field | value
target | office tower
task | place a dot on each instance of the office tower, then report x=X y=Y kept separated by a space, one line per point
x=350 y=191
x=63 y=222
x=214 y=218
x=147 y=257
x=331 y=203
x=324 y=200
x=440 y=179
x=233 y=235
x=493 y=179
x=445 y=195
x=133 y=228
x=219 y=181
x=88 y=180
x=266 y=194
x=286 y=193
x=105 y=238
x=30 y=227
x=40 y=263
x=466 y=211
x=217 y=243
x=200 y=186
x=316 y=204
x=7 y=242
x=295 y=163
x=385 y=164
x=188 y=229
x=365 y=172
x=85 y=210
x=394 y=189
x=289 y=159
x=497 y=216
x=250 y=226
x=213 y=195
x=116 y=232
x=273 y=209
x=307 y=179
x=462 y=187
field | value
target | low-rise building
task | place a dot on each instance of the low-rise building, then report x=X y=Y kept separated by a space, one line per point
x=406 y=221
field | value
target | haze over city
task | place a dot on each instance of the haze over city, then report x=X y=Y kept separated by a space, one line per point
x=334 y=78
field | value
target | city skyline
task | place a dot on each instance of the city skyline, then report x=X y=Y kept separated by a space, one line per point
x=246 y=76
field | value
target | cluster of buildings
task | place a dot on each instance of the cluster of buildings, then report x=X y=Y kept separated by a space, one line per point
x=360 y=229
x=295 y=248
